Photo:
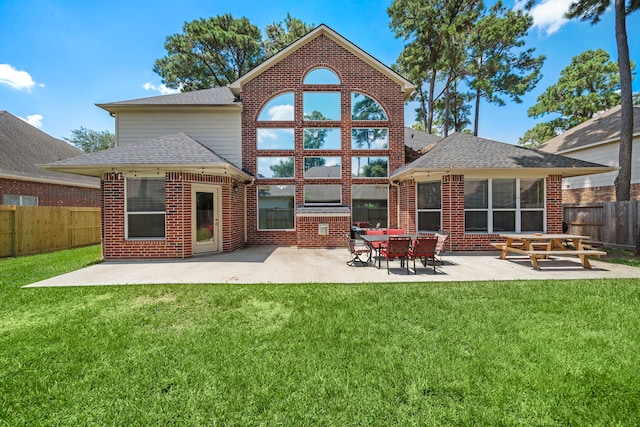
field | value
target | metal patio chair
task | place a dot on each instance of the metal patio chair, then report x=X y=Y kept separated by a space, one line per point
x=396 y=248
x=356 y=251
x=423 y=248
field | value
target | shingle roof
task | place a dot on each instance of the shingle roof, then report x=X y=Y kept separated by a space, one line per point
x=418 y=140
x=22 y=147
x=204 y=97
x=467 y=152
x=602 y=128
x=177 y=150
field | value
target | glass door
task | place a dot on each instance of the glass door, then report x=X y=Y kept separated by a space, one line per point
x=205 y=219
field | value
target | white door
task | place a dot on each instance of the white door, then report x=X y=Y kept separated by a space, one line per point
x=205 y=214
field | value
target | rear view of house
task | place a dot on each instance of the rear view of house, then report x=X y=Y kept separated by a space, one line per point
x=295 y=152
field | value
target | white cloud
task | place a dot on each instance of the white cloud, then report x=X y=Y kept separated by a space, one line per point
x=281 y=112
x=20 y=80
x=34 y=120
x=548 y=15
x=163 y=89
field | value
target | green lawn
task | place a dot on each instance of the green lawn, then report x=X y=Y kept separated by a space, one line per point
x=485 y=353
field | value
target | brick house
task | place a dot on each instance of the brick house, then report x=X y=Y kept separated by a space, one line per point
x=597 y=140
x=293 y=153
x=23 y=183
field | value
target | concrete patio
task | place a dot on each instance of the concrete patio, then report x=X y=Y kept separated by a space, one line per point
x=273 y=264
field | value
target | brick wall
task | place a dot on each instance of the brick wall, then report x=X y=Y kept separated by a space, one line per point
x=51 y=194
x=178 y=221
x=596 y=194
x=287 y=76
x=308 y=236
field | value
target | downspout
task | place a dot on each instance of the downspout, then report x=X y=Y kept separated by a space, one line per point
x=247 y=185
x=397 y=185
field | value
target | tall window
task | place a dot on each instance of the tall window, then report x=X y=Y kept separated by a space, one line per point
x=321 y=106
x=364 y=107
x=369 y=139
x=276 y=207
x=369 y=204
x=145 y=207
x=275 y=167
x=321 y=76
x=429 y=206
x=279 y=108
x=502 y=205
x=322 y=167
x=370 y=167
x=323 y=194
x=275 y=139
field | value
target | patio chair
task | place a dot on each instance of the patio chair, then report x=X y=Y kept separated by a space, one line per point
x=396 y=248
x=442 y=237
x=376 y=245
x=423 y=248
x=356 y=251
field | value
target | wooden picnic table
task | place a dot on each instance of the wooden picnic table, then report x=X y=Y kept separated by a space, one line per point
x=542 y=245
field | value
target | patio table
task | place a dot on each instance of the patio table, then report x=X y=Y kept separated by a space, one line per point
x=542 y=245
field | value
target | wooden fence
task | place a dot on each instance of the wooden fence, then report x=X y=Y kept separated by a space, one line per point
x=34 y=229
x=607 y=223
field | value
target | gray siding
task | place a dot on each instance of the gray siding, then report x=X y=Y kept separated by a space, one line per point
x=220 y=131
x=606 y=154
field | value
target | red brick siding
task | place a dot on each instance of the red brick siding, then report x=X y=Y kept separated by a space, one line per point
x=308 y=236
x=51 y=194
x=287 y=76
x=596 y=194
x=177 y=242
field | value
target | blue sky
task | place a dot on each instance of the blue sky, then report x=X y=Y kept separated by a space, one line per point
x=60 y=57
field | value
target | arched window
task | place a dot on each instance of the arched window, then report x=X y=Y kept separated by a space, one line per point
x=364 y=107
x=280 y=108
x=321 y=76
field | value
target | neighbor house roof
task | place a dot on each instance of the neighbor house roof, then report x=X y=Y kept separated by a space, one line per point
x=602 y=129
x=406 y=85
x=467 y=154
x=22 y=146
x=419 y=140
x=177 y=152
x=217 y=96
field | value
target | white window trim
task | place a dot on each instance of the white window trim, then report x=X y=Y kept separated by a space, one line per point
x=127 y=213
x=518 y=211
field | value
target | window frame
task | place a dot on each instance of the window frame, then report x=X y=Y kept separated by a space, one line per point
x=518 y=210
x=356 y=173
x=304 y=167
x=292 y=197
x=128 y=213
x=428 y=209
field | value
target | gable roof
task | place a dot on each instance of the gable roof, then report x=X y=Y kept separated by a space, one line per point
x=177 y=152
x=464 y=154
x=406 y=85
x=601 y=129
x=22 y=146
x=217 y=96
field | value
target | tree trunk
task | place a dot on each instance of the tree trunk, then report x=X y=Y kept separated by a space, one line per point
x=447 y=100
x=432 y=88
x=423 y=107
x=623 y=180
x=476 y=113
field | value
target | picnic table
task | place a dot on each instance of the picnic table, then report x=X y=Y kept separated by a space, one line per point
x=542 y=245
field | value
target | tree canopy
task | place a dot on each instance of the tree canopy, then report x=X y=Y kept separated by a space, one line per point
x=90 y=141
x=588 y=85
x=214 y=52
x=460 y=44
